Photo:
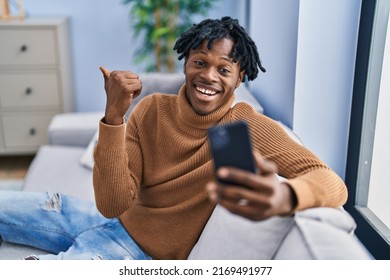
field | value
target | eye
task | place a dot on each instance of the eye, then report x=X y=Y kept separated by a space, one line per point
x=199 y=63
x=224 y=70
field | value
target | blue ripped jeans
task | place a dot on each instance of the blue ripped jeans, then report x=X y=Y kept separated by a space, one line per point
x=67 y=227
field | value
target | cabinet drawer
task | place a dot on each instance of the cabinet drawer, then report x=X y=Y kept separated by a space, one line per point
x=29 y=90
x=27 y=46
x=26 y=130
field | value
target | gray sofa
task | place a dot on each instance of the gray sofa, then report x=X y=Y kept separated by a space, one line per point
x=64 y=165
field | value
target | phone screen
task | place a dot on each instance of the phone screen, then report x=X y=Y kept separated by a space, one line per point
x=231 y=146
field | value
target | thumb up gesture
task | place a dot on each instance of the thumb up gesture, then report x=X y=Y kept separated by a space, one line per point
x=121 y=87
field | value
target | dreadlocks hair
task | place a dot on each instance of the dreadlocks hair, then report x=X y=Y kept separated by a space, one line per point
x=244 y=50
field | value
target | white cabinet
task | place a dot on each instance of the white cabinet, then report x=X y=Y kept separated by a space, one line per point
x=35 y=81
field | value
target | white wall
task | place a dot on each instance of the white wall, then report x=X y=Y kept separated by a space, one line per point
x=101 y=35
x=308 y=48
x=274 y=28
x=326 y=53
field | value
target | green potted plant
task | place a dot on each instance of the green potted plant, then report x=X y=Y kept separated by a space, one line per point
x=159 y=23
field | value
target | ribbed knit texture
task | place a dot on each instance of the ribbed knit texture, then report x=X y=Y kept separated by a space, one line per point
x=152 y=172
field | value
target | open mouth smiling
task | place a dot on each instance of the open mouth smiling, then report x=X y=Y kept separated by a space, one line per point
x=209 y=92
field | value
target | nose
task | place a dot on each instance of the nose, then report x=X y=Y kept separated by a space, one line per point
x=210 y=74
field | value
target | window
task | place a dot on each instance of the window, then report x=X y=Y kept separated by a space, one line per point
x=368 y=161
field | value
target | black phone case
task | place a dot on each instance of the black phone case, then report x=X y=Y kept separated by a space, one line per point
x=231 y=146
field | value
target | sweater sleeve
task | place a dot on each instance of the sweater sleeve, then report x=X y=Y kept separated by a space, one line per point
x=314 y=183
x=319 y=187
x=119 y=160
x=114 y=184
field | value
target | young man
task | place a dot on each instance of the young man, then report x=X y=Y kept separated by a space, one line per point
x=153 y=171
x=153 y=175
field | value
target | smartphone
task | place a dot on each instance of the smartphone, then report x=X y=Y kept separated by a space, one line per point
x=231 y=146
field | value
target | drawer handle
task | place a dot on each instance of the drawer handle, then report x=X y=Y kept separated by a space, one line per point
x=33 y=131
x=28 y=91
x=23 y=48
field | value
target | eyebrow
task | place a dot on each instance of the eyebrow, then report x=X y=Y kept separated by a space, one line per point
x=228 y=59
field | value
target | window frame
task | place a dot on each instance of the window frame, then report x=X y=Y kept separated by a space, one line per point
x=373 y=233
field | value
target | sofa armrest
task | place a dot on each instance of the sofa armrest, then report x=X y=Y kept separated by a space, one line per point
x=73 y=129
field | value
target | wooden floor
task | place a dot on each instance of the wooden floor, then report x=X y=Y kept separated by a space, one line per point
x=14 y=167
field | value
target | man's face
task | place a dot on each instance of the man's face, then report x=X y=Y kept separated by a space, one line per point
x=211 y=76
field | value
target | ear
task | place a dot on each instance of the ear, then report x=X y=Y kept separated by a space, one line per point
x=240 y=78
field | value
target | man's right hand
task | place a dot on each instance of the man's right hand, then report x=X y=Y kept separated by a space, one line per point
x=121 y=87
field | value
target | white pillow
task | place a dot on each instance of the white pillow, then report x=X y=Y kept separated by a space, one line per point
x=87 y=158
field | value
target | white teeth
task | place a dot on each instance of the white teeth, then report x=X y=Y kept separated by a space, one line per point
x=206 y=91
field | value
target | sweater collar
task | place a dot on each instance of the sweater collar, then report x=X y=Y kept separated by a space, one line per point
x=187 y=116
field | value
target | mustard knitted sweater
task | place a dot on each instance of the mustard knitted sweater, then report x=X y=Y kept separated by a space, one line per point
x=152 y=172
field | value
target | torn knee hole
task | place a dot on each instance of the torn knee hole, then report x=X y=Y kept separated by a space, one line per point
x=31 y=258
x=97 y=257
x=53 y=203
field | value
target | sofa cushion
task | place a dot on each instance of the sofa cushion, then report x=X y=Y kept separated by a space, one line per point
x=73 y=129
x=317 y=233
x=10 y=251
x=229 y=236
x=323 y=234
x=243 y=94
x=57 y=169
